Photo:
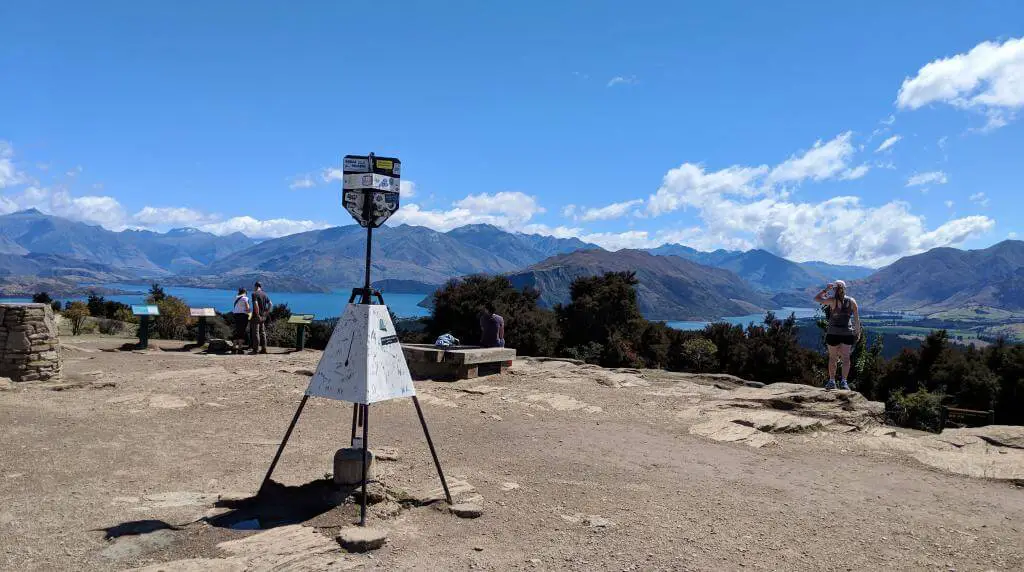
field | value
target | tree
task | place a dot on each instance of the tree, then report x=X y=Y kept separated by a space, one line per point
x=699 y=355
x=96 y=305
x=868 y=367
x=41 y=298
x=76 y=313
x=55 y=305
x=604 y=310
x=156 y=293
x=174 y=318
x=457 y=306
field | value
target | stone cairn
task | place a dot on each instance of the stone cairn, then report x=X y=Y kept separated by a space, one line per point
x=29 y=346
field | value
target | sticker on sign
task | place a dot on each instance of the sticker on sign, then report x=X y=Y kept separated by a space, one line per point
x=354 y=181
x=356 y=164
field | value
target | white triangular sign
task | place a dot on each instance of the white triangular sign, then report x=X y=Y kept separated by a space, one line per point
x=363 y=361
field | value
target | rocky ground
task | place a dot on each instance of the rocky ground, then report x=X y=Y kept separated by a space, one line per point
x=148 y=460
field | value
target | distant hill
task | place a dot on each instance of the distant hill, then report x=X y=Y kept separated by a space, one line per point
x=334 y=257
x=671 y=287
x=138 y=254
x=947 y=278
x=831 y=272
x=764 y=270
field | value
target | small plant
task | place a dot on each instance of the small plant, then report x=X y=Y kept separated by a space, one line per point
x=76 y=314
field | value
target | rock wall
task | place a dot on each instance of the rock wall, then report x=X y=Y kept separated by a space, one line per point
x=29 y=346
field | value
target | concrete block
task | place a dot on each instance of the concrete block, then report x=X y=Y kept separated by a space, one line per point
x=348 y=466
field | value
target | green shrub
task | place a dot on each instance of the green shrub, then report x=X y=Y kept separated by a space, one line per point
x=590 y=352
x=281 y=334
x=918 y=410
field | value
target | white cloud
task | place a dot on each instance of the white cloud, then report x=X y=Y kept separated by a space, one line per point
x=1011 y=235
x=929 y=178
x=168 y=217
x=741 y=208
x=621 y=80
x=569 y=211
x=302 y=182
x=511 y=210
x=989 y=78
x=9 y=175
x=979 y=199
x=942 y=141
x=888 y=120
x=72 y=173
x=332 y=174
x=820 y=162
x=619 y=240
x=407 y=189
x=949 y=204
x=609 y=212
x=888 y=143
x=255 y=228
x=855 y=173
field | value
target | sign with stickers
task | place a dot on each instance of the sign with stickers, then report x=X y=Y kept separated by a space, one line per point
x=370 y=188
x=202 y=312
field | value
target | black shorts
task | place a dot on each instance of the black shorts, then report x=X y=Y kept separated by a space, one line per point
x=840 y=339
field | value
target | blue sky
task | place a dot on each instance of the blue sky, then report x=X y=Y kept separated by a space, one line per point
x=726 y=124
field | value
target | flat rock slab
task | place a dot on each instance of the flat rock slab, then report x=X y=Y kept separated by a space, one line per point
x=455 y=486
x=292 y=547
x=361 y=538
x=466 y=510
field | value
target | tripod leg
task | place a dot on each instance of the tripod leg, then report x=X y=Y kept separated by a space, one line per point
x=287 y=435
x=366 y=446
x=433 y=453
x=355 y=415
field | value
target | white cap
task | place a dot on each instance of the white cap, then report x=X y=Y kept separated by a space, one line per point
x=840 y=283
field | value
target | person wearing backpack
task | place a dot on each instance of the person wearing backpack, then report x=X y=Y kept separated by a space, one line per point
x=240 y=315
x=261 y=306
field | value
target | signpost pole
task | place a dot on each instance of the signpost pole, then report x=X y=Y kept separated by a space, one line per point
x=144 y=332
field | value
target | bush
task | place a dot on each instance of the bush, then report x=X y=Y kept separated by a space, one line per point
x=42 y=298
x=174 y=319
x=76 y=314
x=109 y=327
x=699 y=355
x=919 y=410
x=280 y=312
x=590 y=352
x=55 y=305
x=281 y=334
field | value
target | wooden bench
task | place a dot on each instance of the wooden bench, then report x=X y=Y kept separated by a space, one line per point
x=460 y=362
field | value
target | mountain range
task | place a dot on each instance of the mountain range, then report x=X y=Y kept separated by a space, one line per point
x=948 y=278
x=43 y=252
x=670 y=287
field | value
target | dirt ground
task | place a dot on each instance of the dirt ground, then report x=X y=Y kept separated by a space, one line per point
x=575 y=473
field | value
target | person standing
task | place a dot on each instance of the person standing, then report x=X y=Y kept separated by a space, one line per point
x=261 y=306
x=492 y=328
x=240 y=315
x=844 y=329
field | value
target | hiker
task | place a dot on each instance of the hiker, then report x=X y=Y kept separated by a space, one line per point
x=492 y=328
x=261 y=306
x=240 y=314
x=844 y=329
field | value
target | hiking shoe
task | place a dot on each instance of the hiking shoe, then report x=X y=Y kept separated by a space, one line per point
x=264 y=350
x=844 y=386
x=830 y=385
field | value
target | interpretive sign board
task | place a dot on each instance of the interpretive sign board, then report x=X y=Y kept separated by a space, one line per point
x=301 y=319
x=145 y=310
x=202 y=312
x=363 y=362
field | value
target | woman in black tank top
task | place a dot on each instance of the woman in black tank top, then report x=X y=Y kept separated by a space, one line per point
x=843 y=330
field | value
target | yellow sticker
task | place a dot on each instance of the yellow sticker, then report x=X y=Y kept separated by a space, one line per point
x=385 y=164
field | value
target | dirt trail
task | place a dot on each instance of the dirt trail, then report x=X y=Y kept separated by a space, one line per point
x=576 y=468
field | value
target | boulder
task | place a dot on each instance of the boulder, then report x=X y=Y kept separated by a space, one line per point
x=361 y=538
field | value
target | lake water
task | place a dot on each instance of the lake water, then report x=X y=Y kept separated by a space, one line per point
x=744 y=320
x=320 y=304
